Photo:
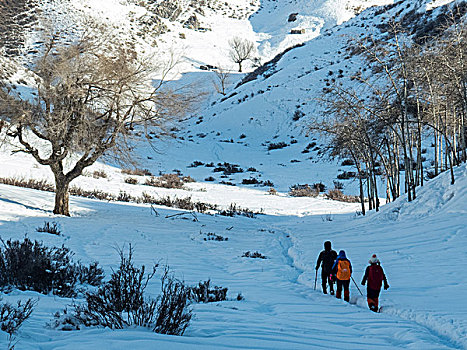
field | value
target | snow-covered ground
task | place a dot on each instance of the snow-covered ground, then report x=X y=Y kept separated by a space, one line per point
x=421 y=245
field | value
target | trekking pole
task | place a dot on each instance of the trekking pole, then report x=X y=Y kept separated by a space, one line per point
x=356 y=286
x=316 y=277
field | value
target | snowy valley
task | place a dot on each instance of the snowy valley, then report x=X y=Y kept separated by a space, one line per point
x=211 y=197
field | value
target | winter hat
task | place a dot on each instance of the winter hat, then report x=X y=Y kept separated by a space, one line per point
x=374 y=259
x=327 y=245
x=342 y=255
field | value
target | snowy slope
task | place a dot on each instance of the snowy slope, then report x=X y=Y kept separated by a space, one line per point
x=275 y=105
x=261 y=110
x=423 y=255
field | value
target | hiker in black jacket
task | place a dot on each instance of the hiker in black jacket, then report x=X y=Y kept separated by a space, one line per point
x=326 y=260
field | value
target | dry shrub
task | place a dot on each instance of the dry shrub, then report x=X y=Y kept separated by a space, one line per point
x=303 y=191
x=272 y=191
x=234 y=210
x=137 y=172
x=122 y=302
x=172 y=202
x=188 y=179
x=13 y=316
x=41 y=185
x=29 y=265
x=175 y=202
x=131 y=180
x=165 y=181
x=99 y=174
x=338 y=195
x=94 y=194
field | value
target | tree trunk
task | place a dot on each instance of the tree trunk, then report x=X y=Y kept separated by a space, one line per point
x=362 y=195
x=370 y=198
x=375 y=180
x=62 y=197
x=449 y=153
x=463 y=143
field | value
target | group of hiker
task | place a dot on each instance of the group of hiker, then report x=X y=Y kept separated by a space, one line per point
x=337 y=268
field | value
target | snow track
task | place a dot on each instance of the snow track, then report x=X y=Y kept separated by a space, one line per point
x=446 y=329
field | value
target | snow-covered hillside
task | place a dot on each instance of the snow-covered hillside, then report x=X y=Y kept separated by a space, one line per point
x=262 y=122
x=238 y=129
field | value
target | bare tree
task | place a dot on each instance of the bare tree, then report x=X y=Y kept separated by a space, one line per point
x=89 y=97
x=415 y=88
x=241 y=50
x=221 y=80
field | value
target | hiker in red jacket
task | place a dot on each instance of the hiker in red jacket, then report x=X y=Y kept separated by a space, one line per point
x=375 y=276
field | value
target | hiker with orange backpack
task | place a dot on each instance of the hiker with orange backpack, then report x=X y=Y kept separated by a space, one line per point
x=342 y=270
x=375 y=276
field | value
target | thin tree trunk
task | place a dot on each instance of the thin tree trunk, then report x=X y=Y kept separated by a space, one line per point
x=375 y=183
x=441 y=163
x=362 y=195
x=419 y=178
x=462 y=135
x=449 y=153
x=370 y=200
x=397 y=167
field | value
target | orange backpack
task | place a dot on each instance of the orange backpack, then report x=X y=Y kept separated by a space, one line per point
x=343 y=270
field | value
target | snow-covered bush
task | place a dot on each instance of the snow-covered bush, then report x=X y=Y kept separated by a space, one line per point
x=173 y=312
x=253 y=255
x=227 y=168
x=29 y=265
x=205 y=293
x=121 y=302
x=251 y=181
x=92 y=274
x=13 y=316
x=211 y=236
x=346 y=175
x=277 y=145
x=48 y=227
